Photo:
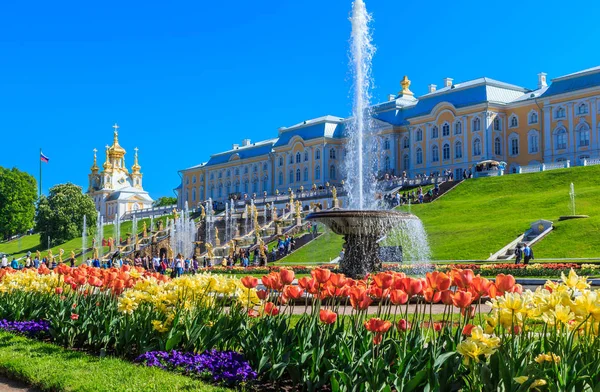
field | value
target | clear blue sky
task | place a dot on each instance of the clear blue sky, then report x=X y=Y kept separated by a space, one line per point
x=185 y=79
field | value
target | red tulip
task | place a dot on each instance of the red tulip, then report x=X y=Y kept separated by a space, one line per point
x=249 y=282
x=58 y=290
x=432 y=296
x=286 y=276
x=271 y=309
x=437 y=327
x=321 y=275
x=467 y=329
x=446 y=297
x=462 y=299
x=383 y=280
x=327 y=316
x=74 y=316
x=377 y=325
x=262 y=294
x=359 y=298
x=308 y=284
x=293 y=292
x=403 y=325
x=504 y=283
x=338 y=280
x=398 y=297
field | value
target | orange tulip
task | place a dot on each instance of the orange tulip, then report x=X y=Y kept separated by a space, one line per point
x=462 y=299
x=308 y=284
x=462 y=278
x=412 y=286
x=398 y=297
x=327 y=316
x=338 y=280
x=271 y=309
x=446 y=297
x=286 y=276
x=293 y=292
x=480 y=287
x=504 y=283
x=438 y=281
x=377 y=325
x=432 y=296
x=249 y=282
x=359 y=298
x=58 y=290
x=467 y=329
x=437 y=327
x=321 y=275
x=470 y=309
x=383 y=280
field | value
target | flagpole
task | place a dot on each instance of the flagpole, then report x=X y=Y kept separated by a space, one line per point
x=40 y=158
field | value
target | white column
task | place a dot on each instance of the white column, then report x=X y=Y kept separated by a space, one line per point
x=594 y=131
x=412 y=152
x=465 y=144
x=486 y=132
x=547 y=132
x=426 y=152
x=572 y=151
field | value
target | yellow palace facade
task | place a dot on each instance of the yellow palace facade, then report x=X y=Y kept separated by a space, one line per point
x=450 y=128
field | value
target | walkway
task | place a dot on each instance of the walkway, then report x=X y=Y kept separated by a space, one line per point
x=8 y=385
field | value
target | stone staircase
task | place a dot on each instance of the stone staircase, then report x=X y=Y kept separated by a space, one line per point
x=537 y=231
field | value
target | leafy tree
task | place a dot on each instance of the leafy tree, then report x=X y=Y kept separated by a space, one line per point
x=60 y=215
x=165 y=201
x=17 y=201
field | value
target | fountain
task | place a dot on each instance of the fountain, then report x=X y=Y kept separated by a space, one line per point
x=572 y=207
x=209 y=221
x=183 y=233
x=99 y=236
x=84 y=238
x=362 y=226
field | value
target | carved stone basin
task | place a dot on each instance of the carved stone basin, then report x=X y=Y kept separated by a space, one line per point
x=362 y=229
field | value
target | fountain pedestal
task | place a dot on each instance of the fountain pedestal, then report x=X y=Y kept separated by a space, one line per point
x=362 y=229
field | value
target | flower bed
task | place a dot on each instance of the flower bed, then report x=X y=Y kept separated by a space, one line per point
x=542 y=339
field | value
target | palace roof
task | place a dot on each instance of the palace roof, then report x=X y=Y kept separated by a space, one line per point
x=243 y=152
x=573 y=82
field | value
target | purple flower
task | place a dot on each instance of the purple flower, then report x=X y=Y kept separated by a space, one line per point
x=221 y=366
x=29 y=328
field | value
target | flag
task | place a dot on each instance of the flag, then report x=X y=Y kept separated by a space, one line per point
x=44 y=158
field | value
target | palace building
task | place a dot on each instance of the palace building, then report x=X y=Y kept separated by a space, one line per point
x=115 y=190
x=450 y=128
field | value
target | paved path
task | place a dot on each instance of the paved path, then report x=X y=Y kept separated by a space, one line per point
x=436 y=309
x=8 y=385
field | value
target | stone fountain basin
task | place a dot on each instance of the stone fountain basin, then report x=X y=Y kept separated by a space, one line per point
x=360 y=222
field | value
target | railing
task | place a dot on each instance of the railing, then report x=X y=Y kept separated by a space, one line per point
x=412 y=182
x=545 y=167
x=284 y=197
x=146 y=212
x=591 y=162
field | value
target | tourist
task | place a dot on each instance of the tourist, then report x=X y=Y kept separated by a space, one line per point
x=96 y=263
x=179 y=265
x=14 y=264
x=156 y=263
x=72 y=262
x=163 y=266
x=518 y=254
x=28 y=262
x=527 y=254
x=341 y=254
x=195 y=264
x=245 y=261
x=53 y=264
x=4 y=261
x=88 y=262
x=36 y=263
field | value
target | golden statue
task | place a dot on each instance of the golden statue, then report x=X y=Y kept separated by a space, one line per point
x=110 y=243
x=216 y=232
x=231 y=248
x=209 y=251
x=274 y=213
x=301 y=188
x=343 y=182
x=405 y=84
x=175 y=214
x=261 y=249
x=72 y=254
x=95 y=254
x=38 y=255
x=144 y=230
x=327 y=184
x=202 y=212
x=314 y=187
x=256 y=225
x=277 y=192
x=334 y=193
x=298 y=209
x=169 y=252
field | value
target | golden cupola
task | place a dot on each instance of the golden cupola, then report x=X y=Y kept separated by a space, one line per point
x=116 y=151
x=136 y=166
x=95 y=167
x=107 y=166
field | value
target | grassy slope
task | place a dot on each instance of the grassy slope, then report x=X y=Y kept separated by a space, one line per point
x=321 y=250
x=481 y=216
x=53 y=368
x=32 y=242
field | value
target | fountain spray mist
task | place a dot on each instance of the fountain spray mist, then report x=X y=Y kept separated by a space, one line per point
x=360 y=182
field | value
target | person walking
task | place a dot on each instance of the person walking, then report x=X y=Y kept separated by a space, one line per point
x=527 y=254
x=4 y=261
x=518 y=254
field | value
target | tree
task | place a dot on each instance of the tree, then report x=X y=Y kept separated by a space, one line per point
x=60 y=215
x=165 y=201
x=17 y=201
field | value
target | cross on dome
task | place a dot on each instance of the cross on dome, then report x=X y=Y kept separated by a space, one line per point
x=116 y=127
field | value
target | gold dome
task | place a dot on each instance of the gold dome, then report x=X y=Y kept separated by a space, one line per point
x=116 y=150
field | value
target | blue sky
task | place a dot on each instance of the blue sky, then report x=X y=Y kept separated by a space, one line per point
x=185 y=79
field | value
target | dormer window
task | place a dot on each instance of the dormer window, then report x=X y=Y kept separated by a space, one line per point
x=280 y=161
x=560 y=113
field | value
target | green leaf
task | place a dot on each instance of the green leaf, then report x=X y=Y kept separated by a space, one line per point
x=173 y=341
x=415 y=381
x=443 y=358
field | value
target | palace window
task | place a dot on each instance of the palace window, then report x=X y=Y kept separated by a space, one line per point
x=435 y=154
x=318 y=154
x=405 y=143
x=561 y=113
x=246 y=170
x=265 y=184
x=533 y=118
x=458 y=128
x=193 y=194
x=584 y=136
x=305 y=156
x=193 y=179
x=406 y=161
x=497 y=124
x=187 y=181
x=305 y=174
x=561 y=139
x=514 y=146
x=265 y=167
x=237 y=172
x=435 y=132
x=297 y=175
x=280 y=161
x=387 y=164
x=497 y=146
x=291 y=159
x=446 y=152
x=476 y=124
x=476 y=147
x=419 y=156
x=280 y=178
x=332 y=153
x=212 y=176
x=246 y=186
x=255 y=168
x=220 y=190
x=514 y=121
x=419 y=135
x=446 y=129
x=534 y=141
x=386 y=144
x=318 y=173
x=458 y=150
x=291 y=177
x=298 y=157
x=582 y=109
x=332 y=172
x=255 y=186
x=220 y=174
x=228 y=189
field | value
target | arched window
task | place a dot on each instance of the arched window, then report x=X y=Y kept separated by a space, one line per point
x=476 y=124
x=246 y=186
x=476 y=147
x=297 y=175
x=582 y=109
x=446 y=129
x=212 y=192
x=318 y=154
x=237 y=171
x=255 y=185
x=332 y=153
x=419 y=135
x=435 y=153
x=534 y=142
x=514 y=145
x=458 y=150
x=446 y=152
x=193 y=179
x=187 y=181
x=497 y=124
x=514 y=121
x=291 y=177
x=255 y=168
x=280 y=178
x=533 y=118
x=584 y=135
x=201 y=178
x=561 y=113
x=561 y=139
x=387 y=164
x=386 y=144
x=220 y=174
x=435 y=132
x=193 y=194
x=280 y=161
x=265 y=184
x=228 y=189
x=305 y=156
x=318 y=173
x=306 y=174
x=291 y=159
x=405 y=143
x=458 y=128
x=406 y=161
x=246 y=170
x=298 y=157
x=419 y=156
x=212 y=176
x=265 y=167
x=220 y=190
x=497 y=146
x=237 y=187
x=332 y=172
x=228 y=173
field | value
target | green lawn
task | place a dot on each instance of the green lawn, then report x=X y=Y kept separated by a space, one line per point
x=52 y=368
x=20 y=247
x=322 y=250
x=481 y=216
